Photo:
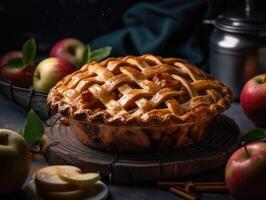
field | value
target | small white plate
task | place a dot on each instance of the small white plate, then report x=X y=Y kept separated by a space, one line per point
x=32 y=194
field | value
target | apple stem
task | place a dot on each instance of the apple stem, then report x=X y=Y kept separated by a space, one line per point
x=3 y=138
x=245 y=147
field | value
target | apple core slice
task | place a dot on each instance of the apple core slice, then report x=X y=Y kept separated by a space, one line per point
x=47 y=180
x=76 y=177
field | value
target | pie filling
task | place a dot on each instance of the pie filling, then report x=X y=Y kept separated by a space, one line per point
x=137 y=139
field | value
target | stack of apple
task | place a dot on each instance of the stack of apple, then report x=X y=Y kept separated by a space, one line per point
x=66 y=56
x=64 y=182
x=245 y=172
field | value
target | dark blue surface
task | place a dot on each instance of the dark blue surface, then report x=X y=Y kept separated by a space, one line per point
x=13 y=117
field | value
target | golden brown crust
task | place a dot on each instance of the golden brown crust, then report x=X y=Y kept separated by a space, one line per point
x=139 y=91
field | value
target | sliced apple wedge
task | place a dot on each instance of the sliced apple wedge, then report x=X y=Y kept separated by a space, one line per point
x=75 y=176
x=47 y=180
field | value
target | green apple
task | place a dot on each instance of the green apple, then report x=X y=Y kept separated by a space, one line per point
x=74 y=176
x=15 y=161
x=49 y=72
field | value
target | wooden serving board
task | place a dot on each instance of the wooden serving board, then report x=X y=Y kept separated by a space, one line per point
x=61 y=147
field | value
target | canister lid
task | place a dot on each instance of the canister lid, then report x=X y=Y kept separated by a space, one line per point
x=242 y=20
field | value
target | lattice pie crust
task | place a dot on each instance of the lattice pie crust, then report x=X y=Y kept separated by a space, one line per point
x=119 y=103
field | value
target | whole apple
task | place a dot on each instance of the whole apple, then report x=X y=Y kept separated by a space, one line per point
x=49 y=72
x=253 y=98
x=245 y=172
x=15 y=161
x=69 y=49
x=9 y=56
x=18 y=76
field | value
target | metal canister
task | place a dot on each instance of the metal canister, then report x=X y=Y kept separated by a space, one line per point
x=238 y=46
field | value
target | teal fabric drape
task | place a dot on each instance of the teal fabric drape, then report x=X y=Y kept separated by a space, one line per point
x=165 y=28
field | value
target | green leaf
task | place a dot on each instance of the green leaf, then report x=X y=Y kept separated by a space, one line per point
x=101 y=53
x=15 y=63
x=87 y=54
x=258 y=134
x=29 y=51
x=34 y=128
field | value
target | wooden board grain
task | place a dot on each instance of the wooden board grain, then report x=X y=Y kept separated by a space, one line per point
x=61 y=147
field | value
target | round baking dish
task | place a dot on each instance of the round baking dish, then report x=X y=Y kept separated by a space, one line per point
x=139 y=139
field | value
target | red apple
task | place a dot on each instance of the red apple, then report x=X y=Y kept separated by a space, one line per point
x=245 y=172
x=253 y=99
x=49 y=72
x=18 y=76
x=69 y=49
x=8 y=56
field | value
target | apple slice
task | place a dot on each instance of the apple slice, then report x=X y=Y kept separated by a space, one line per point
x=47 y=180
x=74 y=176
x=67 y=195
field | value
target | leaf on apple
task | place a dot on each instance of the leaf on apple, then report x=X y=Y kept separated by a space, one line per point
x=87 y=54
x=29 y=51
x=33 y=129
x=101 y=53
x=98 y=54
x=28 y=55
x=258 y=134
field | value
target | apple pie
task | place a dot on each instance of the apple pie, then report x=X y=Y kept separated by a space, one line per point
x=139 y=103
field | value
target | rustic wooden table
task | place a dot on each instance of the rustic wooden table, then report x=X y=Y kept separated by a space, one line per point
x=13 y=117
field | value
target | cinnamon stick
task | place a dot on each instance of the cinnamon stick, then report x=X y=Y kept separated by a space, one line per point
x=168 y=184
x=183 y=194
x=211 y=188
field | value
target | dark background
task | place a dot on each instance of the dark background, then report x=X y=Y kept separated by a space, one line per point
x=50 y=20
